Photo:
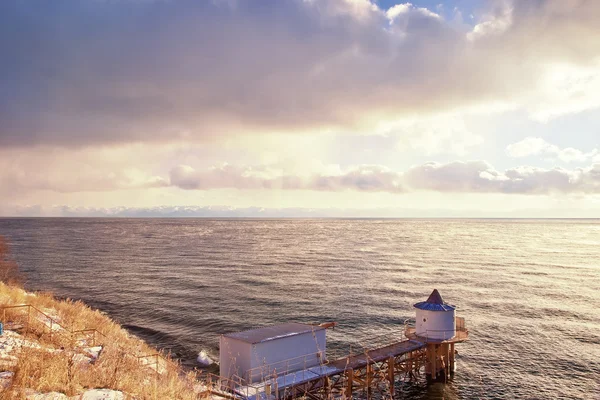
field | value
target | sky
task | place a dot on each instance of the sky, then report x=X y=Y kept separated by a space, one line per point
x=350 y=108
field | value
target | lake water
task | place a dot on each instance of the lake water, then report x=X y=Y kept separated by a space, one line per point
x=529 y=289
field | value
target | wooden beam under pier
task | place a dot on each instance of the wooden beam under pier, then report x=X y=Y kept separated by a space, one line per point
x=373 y=370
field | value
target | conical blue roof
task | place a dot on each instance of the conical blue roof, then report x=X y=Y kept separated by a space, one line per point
x=435 y=303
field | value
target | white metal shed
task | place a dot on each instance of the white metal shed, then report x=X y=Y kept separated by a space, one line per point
x=256 y=354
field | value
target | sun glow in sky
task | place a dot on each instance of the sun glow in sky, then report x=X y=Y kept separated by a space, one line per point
x=300 y=107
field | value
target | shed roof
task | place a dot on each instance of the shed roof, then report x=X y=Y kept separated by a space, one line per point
x=435 y=303
x=267 y=333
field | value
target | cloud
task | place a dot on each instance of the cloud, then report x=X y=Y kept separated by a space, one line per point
x=431 y=136
x=536 y=146
x=494 y=23
x=481 y=177
x=31 y=173
x=398 y=11
x=364 y=178
x=456 y=177
x=82 y=72
x=97 y=169
x=566 y=89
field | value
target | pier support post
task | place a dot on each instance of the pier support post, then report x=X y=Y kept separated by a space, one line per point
x=452 y=359
x=349 y=382
x=431 y=361
x=428 y=363
x=435 y=365
x=390 y=365
x=439 y=364
x=447 y=362
x=369 y=381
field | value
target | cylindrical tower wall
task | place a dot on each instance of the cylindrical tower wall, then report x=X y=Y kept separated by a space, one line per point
x=439 y=325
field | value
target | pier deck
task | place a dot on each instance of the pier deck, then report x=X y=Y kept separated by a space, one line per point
x=363 y=371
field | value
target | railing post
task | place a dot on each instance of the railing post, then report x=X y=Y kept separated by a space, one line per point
x=28 y=320
x=304 y=369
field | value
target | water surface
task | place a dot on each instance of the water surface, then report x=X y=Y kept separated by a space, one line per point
x=529 y=289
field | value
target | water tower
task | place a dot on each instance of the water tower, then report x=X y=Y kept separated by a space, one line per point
x=436 y=325
x=435 y=319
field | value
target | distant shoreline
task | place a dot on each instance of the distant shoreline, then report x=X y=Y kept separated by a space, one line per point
x=218 y=218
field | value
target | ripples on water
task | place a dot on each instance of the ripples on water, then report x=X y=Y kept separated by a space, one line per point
x=529 y=290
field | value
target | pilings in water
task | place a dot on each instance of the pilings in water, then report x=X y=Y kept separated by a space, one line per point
x=373 y=373
x=377 y=370
x=440 y=362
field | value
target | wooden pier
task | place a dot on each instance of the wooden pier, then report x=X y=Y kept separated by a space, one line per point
x=373 y=373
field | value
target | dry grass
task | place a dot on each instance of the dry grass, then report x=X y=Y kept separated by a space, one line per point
x=58 y=366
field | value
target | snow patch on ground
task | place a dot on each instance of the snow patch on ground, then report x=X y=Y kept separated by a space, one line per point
x=50 y=320
x=157 y=364
x=101 y=394
x=11 y=341
x=86 y=355
x=6 y=378
x=47 y=396
x=92 y=394
x=93 y=352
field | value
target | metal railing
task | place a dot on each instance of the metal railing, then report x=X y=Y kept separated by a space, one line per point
x=220 y=385
x=460 y=328
x=374 y=342
x=50 y=322
x=89 y=332
x=269 y=379
x=460 y=324
x=286 y=367
x=55 y=328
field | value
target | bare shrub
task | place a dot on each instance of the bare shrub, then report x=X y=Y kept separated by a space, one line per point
x=9 y=271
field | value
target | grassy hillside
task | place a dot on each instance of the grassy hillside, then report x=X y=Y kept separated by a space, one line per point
x=52 y=354
x=64 y=346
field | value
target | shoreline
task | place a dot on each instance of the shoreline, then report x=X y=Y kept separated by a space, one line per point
x=54 y=348
x=189 y=360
